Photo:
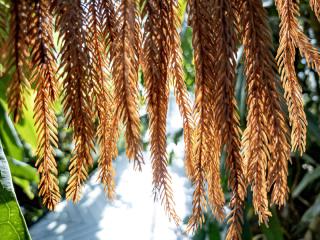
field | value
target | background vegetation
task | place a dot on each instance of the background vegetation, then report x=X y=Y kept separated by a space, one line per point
x=299 y=219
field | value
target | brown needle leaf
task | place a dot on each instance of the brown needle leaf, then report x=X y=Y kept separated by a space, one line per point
x=126 y=49
x=77 y=101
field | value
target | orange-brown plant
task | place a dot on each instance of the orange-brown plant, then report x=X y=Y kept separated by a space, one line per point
x=125 y=67
x=99 y=43
x=101 y=49
x=157 y=47
x=3 y=28
x=180 y=88
x=205 y=145
x=43 y=74
x=16 y=57
x=225 y=109
x=75 y=64
x=256 y=39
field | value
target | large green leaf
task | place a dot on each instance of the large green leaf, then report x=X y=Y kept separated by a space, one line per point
x=307 y=179
x=23 y=175
x=313 y=211
x=313 y=128
x=23 y=170
x=26 y=127
x=274 y=230
x=182 y=8
x=4 y=82
x=12 y=224
x=9 y=136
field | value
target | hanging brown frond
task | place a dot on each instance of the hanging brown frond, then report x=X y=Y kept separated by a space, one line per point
x=77 y=101
x=3 y=24
x=216 y=198
x=43 y=49
x=46 y=126
x=289 y=13
x=156 y=52
x=180 y=89
x=291 y=37
x=107 y=133
x=184 y=104
x=96 y=48
x=279 y=145
x=3 y=29
x=44 y=69
x=125 y=68
x=259 y=71
x=235 y=218
x=31 y=35
x=108 y=26
x=315 y=6
x=225 y=108
x=17 y=57
x=107 y=136
x=201 y=21
x=100 y=56
x=278 y=129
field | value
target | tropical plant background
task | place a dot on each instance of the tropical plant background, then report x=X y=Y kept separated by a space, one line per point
x=299 y=219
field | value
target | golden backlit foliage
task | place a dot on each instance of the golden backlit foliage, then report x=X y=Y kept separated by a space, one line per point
x=101 y=46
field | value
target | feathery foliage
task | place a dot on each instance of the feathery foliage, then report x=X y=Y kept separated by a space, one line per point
x=75 y=61
x=315 y=6
x=225 y=108
x=3 y=28
x=256 y=137
x=200 y=19
x=157 y=47
x=44 y=69
x=17 y=56
x=125 y=68
x=289 y=30
x=99 y=43
x=180 y=89
x=100 y=50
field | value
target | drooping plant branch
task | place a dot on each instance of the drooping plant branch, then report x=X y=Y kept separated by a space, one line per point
x=103 y=43
x=77 y=101
x=17 y=56
x=44 y=75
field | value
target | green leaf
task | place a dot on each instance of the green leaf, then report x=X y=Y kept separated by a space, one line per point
x=182 y=8
x=313 y=130
x=9 y=136
x=12 y=224
x=274 y=231
x=26 y=127
x=23 y=175
x=240 y=92
x=177 y=136
x=4 y=82
x=209 y=231
x=246 y=232
x=308 y=159
x=313 y=211
x=214 y=231
x=25 y=186
x=23 y=170
x=307 y=179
